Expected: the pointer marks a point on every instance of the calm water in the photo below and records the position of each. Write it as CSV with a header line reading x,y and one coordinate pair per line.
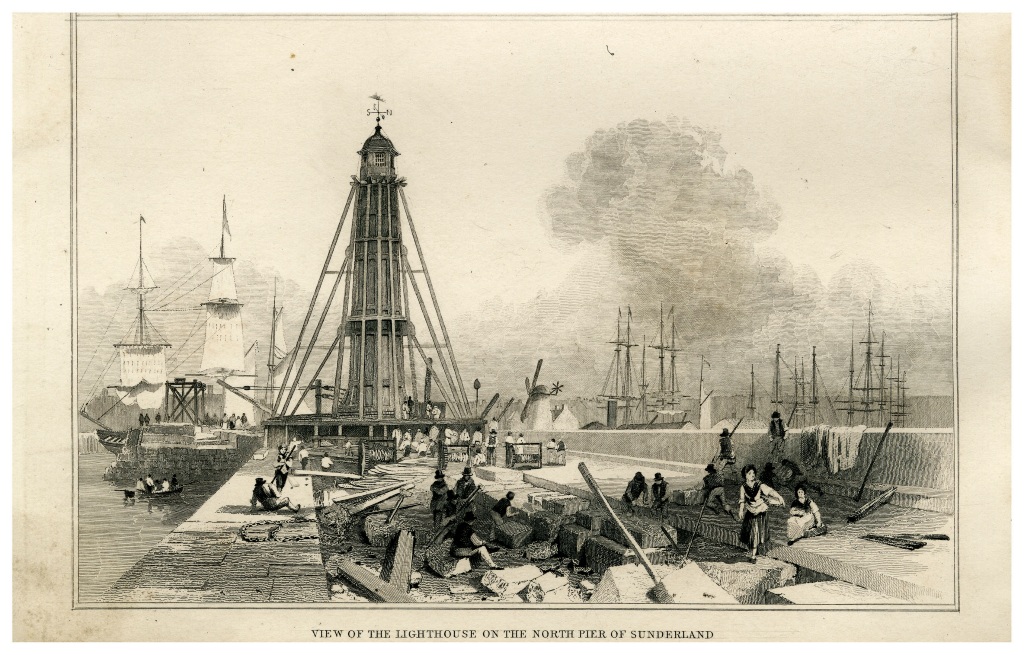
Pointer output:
x,y
113,536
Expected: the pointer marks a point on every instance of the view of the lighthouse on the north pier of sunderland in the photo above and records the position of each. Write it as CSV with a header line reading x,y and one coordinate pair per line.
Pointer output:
x,y
685,417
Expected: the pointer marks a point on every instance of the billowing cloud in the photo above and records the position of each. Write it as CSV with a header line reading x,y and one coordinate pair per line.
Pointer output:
x,y
665,217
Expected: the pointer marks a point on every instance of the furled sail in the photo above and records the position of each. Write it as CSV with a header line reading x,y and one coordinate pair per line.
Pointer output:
x,y
143,371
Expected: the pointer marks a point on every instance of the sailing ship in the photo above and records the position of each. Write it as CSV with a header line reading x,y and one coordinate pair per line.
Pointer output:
x,y
142,363
225,358
874,397
667,401
278,360
618,392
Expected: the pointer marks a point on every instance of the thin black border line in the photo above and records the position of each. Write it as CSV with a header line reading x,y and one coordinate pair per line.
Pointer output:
x,y
955,191
784,18
954,183
73,172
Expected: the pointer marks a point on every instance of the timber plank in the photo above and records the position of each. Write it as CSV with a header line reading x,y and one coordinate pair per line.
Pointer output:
x,y
376,589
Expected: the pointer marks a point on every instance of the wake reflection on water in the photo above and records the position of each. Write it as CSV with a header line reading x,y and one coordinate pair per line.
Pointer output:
x,y
113,532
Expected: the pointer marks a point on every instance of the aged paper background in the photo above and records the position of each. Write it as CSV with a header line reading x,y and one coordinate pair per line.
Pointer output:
x,y
44,265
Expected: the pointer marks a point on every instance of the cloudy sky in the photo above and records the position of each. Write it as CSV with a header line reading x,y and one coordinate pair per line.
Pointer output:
x,y
767,178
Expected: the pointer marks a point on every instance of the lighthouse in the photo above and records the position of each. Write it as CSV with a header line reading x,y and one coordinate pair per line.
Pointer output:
x,y
376,327
394,364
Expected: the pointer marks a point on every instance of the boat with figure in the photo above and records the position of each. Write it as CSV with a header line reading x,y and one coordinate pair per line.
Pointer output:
x,y
162,493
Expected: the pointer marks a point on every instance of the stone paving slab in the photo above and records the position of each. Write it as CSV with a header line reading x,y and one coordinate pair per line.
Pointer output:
x,y
924,575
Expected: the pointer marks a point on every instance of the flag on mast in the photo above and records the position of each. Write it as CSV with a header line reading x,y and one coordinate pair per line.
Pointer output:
x,y
224,225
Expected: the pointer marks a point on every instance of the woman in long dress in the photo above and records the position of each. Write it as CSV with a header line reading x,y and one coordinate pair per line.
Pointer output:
x,y
754,500
803,516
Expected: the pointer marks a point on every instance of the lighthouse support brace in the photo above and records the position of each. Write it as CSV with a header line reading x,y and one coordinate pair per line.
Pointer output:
x,y
430,287
433,335
316,291
316,331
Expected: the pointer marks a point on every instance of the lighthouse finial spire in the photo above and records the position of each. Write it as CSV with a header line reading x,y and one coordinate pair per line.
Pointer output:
x,y
381,113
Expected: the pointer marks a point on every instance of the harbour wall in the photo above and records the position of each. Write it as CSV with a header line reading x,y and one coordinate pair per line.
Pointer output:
x,y
188,462
914,457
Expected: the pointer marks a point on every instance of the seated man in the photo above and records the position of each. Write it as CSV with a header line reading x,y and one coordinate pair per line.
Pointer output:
x,y
326,463
468,544
804,517
267,496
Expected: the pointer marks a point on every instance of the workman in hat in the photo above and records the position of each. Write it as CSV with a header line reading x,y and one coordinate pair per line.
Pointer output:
x,y
637,490
465,487
776,434
468,544
725,446
438,498
492,444
714,491
659,492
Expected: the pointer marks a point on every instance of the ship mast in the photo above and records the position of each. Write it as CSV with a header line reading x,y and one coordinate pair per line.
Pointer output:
x,y
814,385
224,223
661,350
271,364
881,381
627,374
778,357
750,401
673,387
866,399
142,310
643,382
849,406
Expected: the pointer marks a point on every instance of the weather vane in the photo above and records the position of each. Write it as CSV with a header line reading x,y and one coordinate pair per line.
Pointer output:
x,y
381,113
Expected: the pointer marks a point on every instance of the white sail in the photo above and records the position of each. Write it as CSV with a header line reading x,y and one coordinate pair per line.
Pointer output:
x,y
223,287
143,371
280,342
223,352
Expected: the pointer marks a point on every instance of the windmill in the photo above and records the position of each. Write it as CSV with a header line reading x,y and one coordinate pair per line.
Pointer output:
x,y
538,394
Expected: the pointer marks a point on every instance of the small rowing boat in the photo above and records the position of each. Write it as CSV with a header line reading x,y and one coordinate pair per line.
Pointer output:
x,y
134,493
